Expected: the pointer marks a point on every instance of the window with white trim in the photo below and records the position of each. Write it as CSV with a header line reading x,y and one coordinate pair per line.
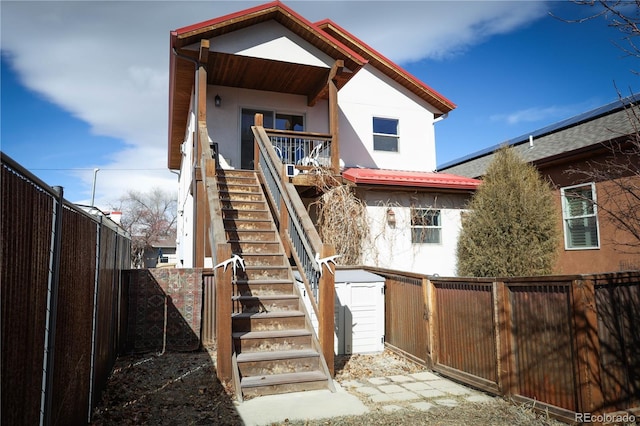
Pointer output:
x,y
426,226
385,134
579,214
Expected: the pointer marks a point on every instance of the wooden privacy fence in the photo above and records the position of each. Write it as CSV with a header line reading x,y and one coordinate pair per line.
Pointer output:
x,y
566,344
61,302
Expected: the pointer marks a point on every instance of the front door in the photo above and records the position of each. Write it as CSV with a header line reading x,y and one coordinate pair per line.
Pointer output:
x,y
282,122
246,135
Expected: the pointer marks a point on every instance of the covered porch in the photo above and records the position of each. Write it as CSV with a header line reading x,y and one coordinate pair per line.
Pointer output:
x,y
275,72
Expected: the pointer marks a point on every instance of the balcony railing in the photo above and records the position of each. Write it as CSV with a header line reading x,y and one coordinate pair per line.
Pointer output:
x,y
302,149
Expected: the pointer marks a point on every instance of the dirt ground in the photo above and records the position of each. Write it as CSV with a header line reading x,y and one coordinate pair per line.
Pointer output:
x,y
182,389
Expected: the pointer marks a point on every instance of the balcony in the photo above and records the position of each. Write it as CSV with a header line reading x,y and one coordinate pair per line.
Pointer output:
x,y
303,151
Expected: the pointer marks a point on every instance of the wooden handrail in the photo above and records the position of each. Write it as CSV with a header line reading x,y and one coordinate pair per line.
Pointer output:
x,y
300,135
220,250
302,238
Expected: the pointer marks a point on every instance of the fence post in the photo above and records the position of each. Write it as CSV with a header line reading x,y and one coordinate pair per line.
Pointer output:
x,y
433,323
50,338
504,354
327,303
428,312
223,315
587,366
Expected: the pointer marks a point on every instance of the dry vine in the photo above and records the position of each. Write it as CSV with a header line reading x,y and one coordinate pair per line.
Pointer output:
x,y
342,219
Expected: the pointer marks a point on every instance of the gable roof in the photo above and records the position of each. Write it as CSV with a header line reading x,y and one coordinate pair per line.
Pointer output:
x,y
388,67
262,74
576,134
410,179
249,72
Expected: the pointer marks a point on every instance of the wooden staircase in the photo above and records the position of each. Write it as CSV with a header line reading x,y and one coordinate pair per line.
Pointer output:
x,y
276,348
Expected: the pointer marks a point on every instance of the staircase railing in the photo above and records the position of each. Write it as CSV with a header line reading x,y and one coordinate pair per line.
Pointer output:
x,y
301,239
220,251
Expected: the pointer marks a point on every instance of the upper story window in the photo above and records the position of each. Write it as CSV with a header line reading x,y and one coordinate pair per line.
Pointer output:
x,y
385,134
426,226
289,122
579,214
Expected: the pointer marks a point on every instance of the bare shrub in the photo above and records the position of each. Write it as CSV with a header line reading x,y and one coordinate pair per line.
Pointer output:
x,y
342,219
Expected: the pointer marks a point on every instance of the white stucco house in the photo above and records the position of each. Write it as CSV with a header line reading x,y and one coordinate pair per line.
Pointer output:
x,y
375,122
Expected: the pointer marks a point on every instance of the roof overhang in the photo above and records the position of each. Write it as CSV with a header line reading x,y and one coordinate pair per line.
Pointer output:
x,y
398,178
250,72
388,67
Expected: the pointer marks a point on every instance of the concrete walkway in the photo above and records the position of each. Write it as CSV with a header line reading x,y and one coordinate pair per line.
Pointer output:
x,y
418,391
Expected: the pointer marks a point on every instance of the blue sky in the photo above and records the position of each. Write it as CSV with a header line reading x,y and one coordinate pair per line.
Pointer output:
x,y
84,83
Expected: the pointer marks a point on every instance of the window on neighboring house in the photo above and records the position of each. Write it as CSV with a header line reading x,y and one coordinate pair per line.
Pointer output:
x,y
385,134
579,214
426,226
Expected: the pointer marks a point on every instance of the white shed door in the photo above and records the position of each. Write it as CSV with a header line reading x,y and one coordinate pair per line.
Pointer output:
x,y
360,317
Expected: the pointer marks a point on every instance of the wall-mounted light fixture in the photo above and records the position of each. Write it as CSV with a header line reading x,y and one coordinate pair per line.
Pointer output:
x,y
218,101
391,218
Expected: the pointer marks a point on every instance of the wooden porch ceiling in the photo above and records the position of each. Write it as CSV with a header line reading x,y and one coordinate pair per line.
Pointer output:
x,y
244,72
250,72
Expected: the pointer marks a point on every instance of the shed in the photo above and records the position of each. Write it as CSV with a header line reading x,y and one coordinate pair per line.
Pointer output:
x,y
359,311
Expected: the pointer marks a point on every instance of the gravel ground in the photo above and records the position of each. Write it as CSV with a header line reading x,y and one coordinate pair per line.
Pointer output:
x,y
182,389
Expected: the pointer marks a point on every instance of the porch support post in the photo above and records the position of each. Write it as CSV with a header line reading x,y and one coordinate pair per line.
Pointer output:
x,y
258,121
203,59
333,115
326,304
201,222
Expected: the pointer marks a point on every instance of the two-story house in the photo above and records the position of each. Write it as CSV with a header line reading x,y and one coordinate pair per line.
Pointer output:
x,y
265,106
334,102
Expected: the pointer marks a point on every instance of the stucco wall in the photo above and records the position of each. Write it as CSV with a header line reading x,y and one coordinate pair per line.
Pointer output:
x,y
391,247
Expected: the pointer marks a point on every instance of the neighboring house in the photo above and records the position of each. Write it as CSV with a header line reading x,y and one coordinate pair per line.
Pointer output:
x,y
373,125
568,154
160,253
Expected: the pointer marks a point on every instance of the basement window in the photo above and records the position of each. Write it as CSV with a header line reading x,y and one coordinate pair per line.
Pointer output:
x,y
426,226
579,214
385,134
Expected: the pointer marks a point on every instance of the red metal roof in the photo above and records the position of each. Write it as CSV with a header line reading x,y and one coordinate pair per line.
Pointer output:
x,y
407,178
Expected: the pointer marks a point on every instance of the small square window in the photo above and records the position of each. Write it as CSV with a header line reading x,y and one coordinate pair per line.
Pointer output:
x,y
426,226
385,134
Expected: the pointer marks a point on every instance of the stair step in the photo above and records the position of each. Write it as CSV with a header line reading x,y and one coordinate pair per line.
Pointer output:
x,y
265,259
265,272
275,340
282,379
239,187
267,315
255,247
241,235
263,287
249,224
246,214
268,303
244,204
236,173
273,334
276,355
268,321
241,196
266,298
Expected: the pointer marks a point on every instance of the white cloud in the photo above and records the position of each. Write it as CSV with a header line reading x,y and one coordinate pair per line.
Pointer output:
x,y
529,115
107,62
544,114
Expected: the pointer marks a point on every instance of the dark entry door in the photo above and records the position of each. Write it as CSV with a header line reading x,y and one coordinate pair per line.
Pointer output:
x,y
246,135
